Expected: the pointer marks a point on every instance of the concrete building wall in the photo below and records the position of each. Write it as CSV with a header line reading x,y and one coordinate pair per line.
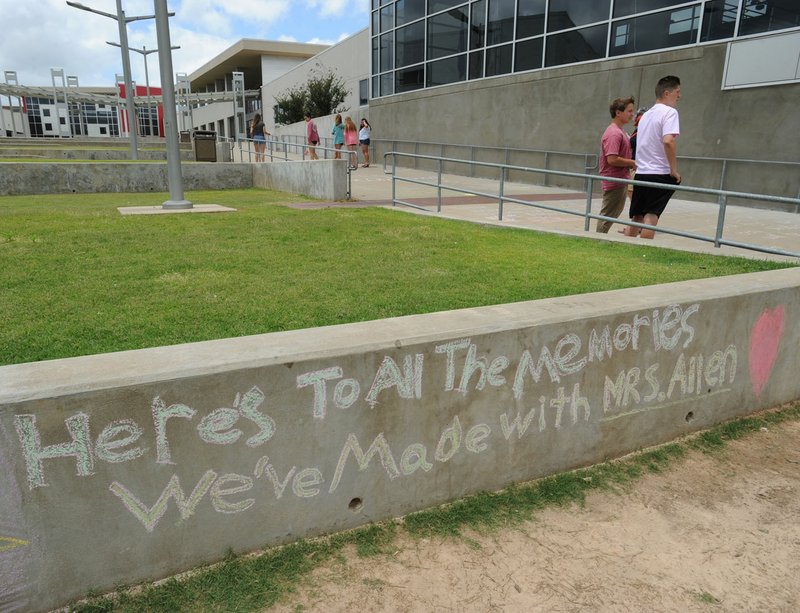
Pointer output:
x,y
136,465
349,59
273,67
566,109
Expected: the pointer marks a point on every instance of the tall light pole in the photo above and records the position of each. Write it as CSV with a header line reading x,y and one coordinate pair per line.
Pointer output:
x,y
122,22
144,52
11,79
174,176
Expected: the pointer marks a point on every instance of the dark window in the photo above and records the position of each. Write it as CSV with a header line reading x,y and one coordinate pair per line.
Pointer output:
x,y
528,55
565,14
476,65
376,22
410,44
719,19
446,71
409,10
376,55
768,16
48,126
46,112
409,79
477,28
387,84
576,46
447,33
103,130
363,92
62,121
438,5
622,8
498,60
387,18
655,31
387,61
530,18
500,28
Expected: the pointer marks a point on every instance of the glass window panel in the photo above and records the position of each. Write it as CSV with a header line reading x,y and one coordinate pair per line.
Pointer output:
x,y
476,65
451,70
530,18
477,30
529,55
376,22
363,92
387,57
410,44
387,18
376,55
407,11
655,31
376,3
500,28
376,87
571,13
498,60
719,19
409,79
447,33
387,84
576,46
769,16
440,5
623,8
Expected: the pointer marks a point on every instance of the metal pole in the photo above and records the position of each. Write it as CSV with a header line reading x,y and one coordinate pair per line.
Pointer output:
x,y
11,75
723,203
589,187
176,201
502,188
439,189
722,177
126,71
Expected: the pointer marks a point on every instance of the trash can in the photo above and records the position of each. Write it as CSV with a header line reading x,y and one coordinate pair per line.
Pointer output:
x,y
205,146
186,136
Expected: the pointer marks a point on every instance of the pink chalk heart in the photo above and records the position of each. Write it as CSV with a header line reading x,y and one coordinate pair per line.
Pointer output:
x,y
764,341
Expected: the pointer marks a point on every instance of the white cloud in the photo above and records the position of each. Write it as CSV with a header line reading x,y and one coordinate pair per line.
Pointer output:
x,y
338,8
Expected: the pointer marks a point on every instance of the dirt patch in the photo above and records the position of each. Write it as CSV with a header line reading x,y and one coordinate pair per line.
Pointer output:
x,y
714,532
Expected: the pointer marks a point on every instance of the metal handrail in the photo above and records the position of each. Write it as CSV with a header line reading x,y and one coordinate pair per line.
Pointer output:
x,y
722,196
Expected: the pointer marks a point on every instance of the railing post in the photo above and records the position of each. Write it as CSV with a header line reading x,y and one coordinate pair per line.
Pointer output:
x,y
501,191
546,167
439,188
472,160
394,176
589,187
722,178
723,204
416,152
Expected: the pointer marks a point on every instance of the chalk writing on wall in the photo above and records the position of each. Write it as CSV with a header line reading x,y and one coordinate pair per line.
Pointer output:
x,y
548,387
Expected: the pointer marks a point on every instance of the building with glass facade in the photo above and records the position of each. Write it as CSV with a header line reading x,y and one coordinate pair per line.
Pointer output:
x,y
426,43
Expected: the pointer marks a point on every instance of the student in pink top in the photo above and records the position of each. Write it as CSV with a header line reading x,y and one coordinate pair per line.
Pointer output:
x,y
351,140
313,137
616,160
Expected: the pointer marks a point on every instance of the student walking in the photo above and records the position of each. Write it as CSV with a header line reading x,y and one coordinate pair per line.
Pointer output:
x,y
363,138
351,140
616,160
338,136
656,157
258,132
312,136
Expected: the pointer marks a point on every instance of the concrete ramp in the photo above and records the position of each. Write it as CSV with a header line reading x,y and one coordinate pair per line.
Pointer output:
x,y
136,465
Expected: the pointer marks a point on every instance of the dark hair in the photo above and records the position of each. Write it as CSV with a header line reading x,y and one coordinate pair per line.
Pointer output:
x,y
256,119
666,84
364,119
619,105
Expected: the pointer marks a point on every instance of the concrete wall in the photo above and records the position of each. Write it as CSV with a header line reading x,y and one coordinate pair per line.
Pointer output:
x,y
323,179
566,109
130,466
18,178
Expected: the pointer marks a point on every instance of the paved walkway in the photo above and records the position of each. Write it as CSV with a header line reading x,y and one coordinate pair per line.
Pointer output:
x,y
776,229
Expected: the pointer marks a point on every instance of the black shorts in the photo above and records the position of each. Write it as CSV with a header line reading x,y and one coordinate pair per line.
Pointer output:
x,y
364,141
651,200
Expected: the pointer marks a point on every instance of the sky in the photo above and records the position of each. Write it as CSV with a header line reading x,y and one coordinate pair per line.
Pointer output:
x,y
38,35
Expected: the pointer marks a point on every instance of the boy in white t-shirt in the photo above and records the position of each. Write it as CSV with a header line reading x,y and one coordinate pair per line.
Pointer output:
x,y
656,157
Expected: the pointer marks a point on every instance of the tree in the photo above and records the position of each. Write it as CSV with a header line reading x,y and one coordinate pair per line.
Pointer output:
x,y
290,105
322,95
326,91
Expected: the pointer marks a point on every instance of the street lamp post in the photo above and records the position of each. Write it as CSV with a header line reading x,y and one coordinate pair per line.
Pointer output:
x,y
144,52
174,176
122,22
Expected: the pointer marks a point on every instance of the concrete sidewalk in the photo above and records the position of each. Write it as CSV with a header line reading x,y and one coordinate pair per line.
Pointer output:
x,y
776,229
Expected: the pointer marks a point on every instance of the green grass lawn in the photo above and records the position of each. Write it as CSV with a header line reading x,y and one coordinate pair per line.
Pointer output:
x,y
78,278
